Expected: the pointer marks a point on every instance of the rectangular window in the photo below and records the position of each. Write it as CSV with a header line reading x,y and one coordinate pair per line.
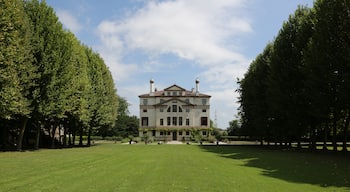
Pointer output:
x,y
180,109
168,119
174,93
204,101
161,133
180,121
174,108
145,101
187,122
144,121
161,122
204,121
174,121
145,110
161,110
187,133
187,110
180,132
154,133
204,133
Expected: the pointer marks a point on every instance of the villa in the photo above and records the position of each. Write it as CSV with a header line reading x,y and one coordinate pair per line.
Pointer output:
x,y
174,114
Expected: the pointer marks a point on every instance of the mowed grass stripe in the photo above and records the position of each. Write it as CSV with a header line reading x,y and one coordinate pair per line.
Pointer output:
x,y
113,167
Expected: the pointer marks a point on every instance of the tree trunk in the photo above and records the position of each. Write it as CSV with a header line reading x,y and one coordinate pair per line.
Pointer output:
x,y
312,138
21,134
325,137
334,134
73,135
37,140
89,137
3,137
81,137
345,130
64,137
53,136
69,138
59,135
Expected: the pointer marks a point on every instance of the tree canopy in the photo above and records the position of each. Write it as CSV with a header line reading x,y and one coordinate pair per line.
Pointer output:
x,y
298,88
49,79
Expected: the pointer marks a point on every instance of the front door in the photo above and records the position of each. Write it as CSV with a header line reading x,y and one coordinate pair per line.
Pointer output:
x,y
174,135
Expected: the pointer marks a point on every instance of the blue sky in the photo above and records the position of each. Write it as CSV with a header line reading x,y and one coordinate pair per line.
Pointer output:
x,y
177,41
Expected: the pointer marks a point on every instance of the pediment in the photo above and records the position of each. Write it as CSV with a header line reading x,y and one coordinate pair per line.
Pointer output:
x,y
174,101
174,88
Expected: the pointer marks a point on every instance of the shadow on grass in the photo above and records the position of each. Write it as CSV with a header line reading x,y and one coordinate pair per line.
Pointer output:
x,y
317,168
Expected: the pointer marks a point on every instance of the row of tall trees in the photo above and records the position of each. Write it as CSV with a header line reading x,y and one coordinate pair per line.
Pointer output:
x,y
299,86
50,83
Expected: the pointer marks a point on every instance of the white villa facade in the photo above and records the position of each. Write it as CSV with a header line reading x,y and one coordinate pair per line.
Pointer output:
x,y
173,114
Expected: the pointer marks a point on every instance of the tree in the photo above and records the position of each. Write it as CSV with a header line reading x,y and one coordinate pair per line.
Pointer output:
x,y
286,78
79,84
49,79
125,124
234,128
104,99
307,89
52,53
327,63
17,73
253,97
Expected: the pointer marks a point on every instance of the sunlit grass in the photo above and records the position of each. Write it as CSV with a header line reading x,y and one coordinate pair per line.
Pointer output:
x,y
115,167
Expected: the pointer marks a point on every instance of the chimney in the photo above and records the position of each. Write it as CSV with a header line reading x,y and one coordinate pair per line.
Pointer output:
x,y
197,87
151,87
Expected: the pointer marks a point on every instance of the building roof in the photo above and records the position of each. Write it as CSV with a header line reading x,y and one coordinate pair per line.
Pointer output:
x,y
185,93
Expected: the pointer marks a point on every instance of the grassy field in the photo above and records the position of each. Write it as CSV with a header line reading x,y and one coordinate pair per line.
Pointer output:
x,y
115,167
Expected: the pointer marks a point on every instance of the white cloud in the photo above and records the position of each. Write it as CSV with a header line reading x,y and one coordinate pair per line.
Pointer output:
x,y
224,104
203,32
113,58
192,30
225,72
69,21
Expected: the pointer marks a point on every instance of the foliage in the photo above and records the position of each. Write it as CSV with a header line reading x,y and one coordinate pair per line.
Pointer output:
x,y
50,80
16,69
125,124
18,74
234,128
299,86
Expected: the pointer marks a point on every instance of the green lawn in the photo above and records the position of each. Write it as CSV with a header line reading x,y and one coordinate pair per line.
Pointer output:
x,y
115,167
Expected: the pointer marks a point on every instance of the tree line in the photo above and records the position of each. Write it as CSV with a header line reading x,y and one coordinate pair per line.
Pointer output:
x,y
52,87
298,88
